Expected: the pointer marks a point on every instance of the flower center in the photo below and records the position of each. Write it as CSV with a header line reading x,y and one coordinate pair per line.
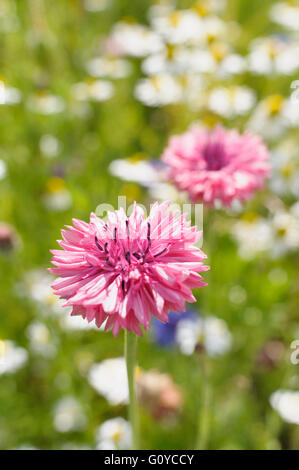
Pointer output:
x,y
124,256
281,232
274,104
117,435
214,155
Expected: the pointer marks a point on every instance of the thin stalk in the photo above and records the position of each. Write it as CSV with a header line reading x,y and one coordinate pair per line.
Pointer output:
x,y
130,355
204,415
205,405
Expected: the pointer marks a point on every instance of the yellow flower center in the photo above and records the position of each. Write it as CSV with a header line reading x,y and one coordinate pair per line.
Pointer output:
x,y
55,184
210,120
175,18
131,191
42,94
129,20
90,81
274,104
232,94
219,50
281,231
170,50
138,157
288,169
250,217
156,82
272,49
3,348
201,7
211,37
116,436
183,80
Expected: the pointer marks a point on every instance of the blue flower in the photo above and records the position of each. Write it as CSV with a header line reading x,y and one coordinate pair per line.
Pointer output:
x,y
164,333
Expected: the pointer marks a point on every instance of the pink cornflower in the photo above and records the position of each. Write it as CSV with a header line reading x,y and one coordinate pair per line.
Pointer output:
x,y
128,269
217,165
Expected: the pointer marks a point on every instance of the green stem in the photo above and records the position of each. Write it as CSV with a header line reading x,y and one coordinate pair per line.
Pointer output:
x,y
130,355
205,405
204,414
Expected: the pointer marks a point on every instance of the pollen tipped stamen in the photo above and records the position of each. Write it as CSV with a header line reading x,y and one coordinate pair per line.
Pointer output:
x,y
128,257
97,243
161,252
137,256
109,262
149,242
106,248
114,234
128,228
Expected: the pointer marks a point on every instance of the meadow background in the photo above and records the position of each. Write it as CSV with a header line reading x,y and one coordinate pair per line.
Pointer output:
x,y
56,150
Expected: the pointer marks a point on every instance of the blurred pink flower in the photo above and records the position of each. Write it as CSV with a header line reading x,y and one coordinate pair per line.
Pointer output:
x,y
127,269
217,165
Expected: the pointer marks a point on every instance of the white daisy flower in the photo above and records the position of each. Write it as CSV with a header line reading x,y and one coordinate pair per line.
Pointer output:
x,y
286,403
109,379
210,332
37,285
77,322
40,339
179,26
276,235
159,90
231,101
173,59
3,169
95,5
58,201
133,40
49,145
208,7
273,55
45,103
253,236
284,179
12,357
68,415
285,227
114,434
214,29
273,116
167,192
286,13
109,67
193,90
232,64
144,172
94,90
199,61
9,95
218,60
